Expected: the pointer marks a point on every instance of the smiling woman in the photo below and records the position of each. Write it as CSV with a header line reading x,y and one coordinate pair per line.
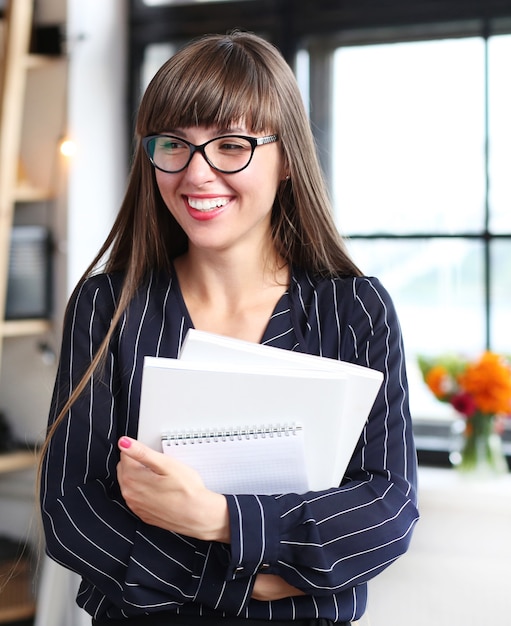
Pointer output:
x,y
226,227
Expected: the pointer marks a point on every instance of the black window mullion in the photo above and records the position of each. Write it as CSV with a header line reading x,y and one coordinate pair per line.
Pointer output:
x,y
487,234
321,98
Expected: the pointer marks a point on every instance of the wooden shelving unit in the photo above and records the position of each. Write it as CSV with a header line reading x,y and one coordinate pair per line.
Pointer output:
x,y
20,71
17,62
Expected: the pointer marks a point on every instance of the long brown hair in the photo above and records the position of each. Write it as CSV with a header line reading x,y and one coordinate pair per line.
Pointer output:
x,y
215,81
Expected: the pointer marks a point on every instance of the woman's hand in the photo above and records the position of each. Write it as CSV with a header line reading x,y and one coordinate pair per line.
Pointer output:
x,y
269,587
166,493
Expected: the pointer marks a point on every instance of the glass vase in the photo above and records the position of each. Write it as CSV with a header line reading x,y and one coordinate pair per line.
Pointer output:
x,y
481,452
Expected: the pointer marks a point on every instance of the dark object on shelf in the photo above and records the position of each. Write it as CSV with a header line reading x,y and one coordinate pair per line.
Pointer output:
x,y
47,39
6,444
9,549
29,281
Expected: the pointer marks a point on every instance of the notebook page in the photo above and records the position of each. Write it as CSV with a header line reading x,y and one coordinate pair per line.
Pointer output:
x,y
242,461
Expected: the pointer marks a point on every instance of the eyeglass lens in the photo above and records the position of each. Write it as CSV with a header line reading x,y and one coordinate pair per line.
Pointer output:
x,y
228,154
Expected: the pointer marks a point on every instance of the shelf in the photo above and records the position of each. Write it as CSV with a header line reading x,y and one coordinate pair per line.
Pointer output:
x,y
23,328
16,461
17,613
29,122
25,192
35,61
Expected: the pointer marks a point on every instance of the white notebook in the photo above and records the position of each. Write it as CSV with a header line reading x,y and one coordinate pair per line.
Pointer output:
x,y
363,383
221,385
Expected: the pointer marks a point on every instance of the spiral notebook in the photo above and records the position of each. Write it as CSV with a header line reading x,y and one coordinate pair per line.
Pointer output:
x,y
268,459
219,386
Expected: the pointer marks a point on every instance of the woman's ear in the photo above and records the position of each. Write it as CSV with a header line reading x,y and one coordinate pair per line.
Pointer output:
x,y
286,175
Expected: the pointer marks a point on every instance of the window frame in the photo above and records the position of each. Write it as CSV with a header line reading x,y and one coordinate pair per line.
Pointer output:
x,y
433,436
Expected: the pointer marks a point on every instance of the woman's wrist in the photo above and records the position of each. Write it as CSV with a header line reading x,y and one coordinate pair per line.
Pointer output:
x,y
213,518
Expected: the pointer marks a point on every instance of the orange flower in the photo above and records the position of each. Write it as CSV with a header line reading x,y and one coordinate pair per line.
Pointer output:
x,y
437,379
488,381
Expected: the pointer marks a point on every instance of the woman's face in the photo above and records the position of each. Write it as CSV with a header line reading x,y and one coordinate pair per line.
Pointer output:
x,y
220,211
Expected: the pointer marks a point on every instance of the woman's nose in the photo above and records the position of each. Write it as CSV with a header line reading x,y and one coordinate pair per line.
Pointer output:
x,y
199,171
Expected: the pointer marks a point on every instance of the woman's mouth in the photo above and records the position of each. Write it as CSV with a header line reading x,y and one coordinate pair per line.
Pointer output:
x,y
206,204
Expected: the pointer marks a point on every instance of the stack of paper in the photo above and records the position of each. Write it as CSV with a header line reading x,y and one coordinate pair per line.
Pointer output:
x,y
196,407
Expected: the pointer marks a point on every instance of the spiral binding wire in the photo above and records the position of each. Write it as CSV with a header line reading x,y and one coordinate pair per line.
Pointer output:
x,y
230,434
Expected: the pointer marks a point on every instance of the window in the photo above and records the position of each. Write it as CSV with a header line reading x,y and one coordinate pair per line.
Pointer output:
x,y
155,56
420,153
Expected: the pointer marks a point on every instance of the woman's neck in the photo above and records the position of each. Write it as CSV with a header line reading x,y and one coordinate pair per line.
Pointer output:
x,y
233,297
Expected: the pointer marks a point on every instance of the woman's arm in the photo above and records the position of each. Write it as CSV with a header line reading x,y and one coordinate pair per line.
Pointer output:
x,y
128,566
167,493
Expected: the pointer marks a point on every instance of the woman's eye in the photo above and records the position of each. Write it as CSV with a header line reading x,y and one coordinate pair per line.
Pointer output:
x,y
173,145
232,146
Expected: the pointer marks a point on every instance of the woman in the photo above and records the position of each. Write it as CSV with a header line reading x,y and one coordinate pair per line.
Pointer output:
x,y
226,227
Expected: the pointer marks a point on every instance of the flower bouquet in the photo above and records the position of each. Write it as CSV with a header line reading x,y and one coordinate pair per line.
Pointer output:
x,y
480,391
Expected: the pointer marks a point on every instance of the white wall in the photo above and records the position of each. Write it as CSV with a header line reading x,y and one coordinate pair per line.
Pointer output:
x,y
97,84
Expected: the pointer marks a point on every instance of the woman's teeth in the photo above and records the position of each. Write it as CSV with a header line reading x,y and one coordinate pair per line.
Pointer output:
x,y
207,204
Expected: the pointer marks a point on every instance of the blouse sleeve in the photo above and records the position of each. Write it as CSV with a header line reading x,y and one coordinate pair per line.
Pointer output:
x,y
325,542
88,527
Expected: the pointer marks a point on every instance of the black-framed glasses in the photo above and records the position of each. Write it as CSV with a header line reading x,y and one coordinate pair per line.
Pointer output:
x,y
228,154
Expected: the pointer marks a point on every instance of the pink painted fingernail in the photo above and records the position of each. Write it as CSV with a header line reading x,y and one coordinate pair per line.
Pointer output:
x,y
125,442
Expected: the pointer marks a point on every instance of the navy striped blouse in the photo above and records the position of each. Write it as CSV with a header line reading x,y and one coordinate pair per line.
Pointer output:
x,y
328,544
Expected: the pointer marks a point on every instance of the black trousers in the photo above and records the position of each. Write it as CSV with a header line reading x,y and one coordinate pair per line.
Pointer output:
x,y
178,620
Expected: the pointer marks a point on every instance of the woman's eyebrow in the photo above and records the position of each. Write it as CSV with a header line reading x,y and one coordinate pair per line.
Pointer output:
x,y
219,132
